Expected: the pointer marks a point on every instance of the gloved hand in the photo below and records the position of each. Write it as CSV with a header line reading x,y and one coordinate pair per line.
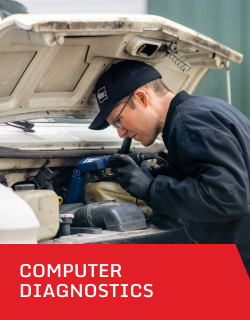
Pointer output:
x,y
146,166
155,169
132,178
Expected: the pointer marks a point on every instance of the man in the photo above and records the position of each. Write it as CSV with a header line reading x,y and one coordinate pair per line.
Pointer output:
x,y
208,143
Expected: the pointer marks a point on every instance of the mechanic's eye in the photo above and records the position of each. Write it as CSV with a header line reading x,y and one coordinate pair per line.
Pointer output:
x,y
118,120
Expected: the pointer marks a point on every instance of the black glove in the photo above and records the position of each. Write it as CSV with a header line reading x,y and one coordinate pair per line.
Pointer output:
x,y
132,178
155,169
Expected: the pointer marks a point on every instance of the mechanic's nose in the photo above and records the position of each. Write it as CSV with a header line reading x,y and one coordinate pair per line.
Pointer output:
x,y
122,133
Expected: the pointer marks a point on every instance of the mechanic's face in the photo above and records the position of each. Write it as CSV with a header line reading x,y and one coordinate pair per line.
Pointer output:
x,y
140,123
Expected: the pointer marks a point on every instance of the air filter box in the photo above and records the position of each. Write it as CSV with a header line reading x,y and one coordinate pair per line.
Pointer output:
x,y
110,215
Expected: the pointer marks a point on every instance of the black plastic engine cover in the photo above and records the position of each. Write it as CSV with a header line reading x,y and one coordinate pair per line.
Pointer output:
x,y
110,215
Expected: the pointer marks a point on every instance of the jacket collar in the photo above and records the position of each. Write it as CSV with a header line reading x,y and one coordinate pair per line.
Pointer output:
x,y
175,102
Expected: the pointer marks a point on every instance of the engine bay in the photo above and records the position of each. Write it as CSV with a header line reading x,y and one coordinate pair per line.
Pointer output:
x,y
74,198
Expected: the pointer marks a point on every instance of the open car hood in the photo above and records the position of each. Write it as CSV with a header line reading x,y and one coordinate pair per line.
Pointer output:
x,y
49,64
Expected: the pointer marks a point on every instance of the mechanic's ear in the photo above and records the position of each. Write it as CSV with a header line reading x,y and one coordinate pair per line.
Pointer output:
x,y
141,97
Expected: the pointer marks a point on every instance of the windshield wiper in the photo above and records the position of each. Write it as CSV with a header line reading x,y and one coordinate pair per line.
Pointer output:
x,y
26,126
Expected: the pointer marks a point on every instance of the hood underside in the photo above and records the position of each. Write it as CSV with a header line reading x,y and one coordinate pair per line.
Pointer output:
x,y
49,64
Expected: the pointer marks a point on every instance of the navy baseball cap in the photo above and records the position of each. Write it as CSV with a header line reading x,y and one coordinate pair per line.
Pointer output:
x,y
120,80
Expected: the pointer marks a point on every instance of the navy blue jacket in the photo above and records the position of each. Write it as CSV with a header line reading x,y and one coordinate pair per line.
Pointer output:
x,y
208,144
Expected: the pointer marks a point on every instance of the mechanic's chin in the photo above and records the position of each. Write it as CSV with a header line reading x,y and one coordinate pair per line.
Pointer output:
x,y
144,140
146,143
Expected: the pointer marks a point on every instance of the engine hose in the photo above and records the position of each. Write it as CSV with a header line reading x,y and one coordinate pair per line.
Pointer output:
x,y
125,145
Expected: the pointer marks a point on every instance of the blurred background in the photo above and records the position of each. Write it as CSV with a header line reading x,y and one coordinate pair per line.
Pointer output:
x,y
226,21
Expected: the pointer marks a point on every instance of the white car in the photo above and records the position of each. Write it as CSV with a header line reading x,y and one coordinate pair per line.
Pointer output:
x,y
49,65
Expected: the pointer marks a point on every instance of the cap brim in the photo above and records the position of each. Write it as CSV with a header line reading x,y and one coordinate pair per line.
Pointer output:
x,y
100,122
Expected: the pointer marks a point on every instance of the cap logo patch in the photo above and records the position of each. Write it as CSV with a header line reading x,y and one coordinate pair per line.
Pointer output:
x,y
102,94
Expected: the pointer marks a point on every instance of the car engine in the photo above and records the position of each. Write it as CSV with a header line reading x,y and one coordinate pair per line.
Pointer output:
x,y
72,193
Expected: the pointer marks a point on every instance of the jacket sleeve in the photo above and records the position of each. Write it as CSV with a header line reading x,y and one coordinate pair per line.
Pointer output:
x,y
216,187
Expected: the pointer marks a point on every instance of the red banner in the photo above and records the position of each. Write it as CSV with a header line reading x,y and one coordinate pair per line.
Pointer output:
x,y
123,281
